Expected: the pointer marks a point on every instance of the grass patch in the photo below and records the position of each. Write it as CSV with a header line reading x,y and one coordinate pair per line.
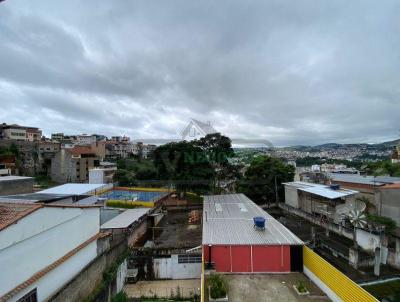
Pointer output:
x,y
388,290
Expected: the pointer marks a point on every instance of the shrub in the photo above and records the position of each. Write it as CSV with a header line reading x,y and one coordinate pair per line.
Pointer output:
x,y
121,204
390,224
120,297
301,287
217,286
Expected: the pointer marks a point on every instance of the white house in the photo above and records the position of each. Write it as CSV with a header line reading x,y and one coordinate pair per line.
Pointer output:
x,y
43,247
196,129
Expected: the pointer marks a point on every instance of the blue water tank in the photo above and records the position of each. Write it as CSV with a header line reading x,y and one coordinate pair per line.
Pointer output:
x,y
259,222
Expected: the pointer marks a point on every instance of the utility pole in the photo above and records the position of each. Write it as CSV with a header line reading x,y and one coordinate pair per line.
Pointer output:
x,y
276,192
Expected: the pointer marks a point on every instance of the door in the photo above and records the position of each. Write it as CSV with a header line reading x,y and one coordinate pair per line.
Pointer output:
x,y
296,258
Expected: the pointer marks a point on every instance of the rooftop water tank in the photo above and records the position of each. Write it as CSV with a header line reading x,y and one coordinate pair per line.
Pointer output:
x,y
259,222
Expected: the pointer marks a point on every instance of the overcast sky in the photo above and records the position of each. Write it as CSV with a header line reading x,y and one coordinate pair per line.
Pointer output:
x,y
292,72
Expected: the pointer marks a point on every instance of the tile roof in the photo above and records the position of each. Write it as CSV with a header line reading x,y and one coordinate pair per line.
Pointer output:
x,y
78,150
391,186
228,220
10,213
50,267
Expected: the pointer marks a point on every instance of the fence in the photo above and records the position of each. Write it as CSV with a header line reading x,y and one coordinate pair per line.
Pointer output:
x,y
336,285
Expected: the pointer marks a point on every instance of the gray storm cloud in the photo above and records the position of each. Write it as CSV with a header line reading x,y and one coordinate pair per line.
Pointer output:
x,y
291,72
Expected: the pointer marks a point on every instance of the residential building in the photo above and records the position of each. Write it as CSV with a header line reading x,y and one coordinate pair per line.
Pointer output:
x,y
85,140
388,201
332,202
196,129
396,155
43,247
16,185
57,136
368,187
73,164
20,133
102,174
233,244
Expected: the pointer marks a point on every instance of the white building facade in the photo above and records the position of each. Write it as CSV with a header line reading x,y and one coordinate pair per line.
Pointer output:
x,y
43,247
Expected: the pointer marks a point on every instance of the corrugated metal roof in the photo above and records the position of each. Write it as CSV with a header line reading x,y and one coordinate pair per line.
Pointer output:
x,y
125,219
367,180
233,225
320,190
74,189
328,192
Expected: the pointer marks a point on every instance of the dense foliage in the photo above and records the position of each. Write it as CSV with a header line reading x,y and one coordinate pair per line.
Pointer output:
x,y
185,166
263,180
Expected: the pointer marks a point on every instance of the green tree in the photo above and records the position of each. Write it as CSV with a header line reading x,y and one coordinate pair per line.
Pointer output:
x,y
184,166
218,149
263,179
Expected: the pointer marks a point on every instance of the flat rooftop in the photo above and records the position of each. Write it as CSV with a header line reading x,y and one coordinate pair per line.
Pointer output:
x,y
75,189
228,219
321,190
34,197
14,178
367,180
125,219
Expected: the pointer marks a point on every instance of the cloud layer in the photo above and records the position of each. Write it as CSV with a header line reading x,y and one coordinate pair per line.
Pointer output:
x,y
292,72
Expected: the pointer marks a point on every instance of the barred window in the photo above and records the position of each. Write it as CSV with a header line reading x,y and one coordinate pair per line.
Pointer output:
x,y
186,258
29,297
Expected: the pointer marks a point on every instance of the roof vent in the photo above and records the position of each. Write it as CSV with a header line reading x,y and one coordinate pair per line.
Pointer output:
x,y
259,223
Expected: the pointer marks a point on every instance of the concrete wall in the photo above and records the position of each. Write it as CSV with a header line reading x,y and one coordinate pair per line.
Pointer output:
x,y
42,238
169,268
291,196
390,199
17,186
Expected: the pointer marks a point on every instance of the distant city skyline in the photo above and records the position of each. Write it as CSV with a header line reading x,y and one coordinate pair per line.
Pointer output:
x,y
304,73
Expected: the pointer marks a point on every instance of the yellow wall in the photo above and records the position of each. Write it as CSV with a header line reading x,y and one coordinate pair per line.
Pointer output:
x,y
341,285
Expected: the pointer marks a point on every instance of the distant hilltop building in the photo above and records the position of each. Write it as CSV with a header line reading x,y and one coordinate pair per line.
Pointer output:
x,y
196,129
396,155
20,133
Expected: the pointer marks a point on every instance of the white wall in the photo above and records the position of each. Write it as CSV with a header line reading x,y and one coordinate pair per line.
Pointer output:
x,y
121,275
291,196
49,285
40,239
169,268
367,241
96,176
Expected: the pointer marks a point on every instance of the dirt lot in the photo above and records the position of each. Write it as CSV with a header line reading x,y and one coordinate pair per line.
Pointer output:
x,y
174,231
270,288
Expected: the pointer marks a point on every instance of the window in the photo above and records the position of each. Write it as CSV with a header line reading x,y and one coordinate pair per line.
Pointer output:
x,y
29,297
186,258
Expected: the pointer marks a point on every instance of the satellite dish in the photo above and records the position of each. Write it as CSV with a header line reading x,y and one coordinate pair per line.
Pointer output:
x,y
357,218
